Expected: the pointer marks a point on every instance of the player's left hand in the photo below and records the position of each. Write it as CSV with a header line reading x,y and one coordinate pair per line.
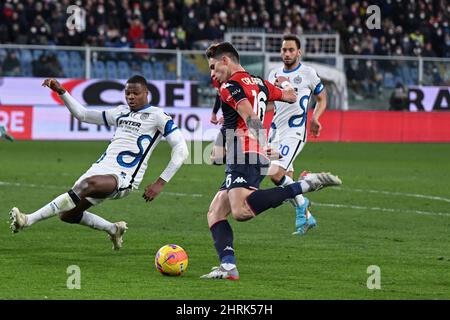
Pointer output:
x,y
153,190
272,154
315,127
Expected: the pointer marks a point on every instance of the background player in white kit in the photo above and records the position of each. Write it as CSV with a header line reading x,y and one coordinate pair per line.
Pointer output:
x,y
139,128
288,130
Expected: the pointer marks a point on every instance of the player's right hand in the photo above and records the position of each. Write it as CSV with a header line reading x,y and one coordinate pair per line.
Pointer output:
x,y
54,85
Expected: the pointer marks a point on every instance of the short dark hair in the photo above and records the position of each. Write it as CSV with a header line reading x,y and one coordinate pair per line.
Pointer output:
x,y
292,37
138,79
217,50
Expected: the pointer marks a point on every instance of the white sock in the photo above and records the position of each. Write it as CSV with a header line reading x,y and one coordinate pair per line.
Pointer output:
x,y
98,223
298,200
228,266
62,203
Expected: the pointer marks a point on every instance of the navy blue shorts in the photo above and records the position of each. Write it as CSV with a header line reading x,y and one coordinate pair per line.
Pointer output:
x,y
244,175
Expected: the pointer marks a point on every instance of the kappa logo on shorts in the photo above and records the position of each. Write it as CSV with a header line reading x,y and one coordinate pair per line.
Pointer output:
x,y
239,180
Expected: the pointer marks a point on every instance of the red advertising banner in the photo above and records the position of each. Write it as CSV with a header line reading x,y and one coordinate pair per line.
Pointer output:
x,y
18,120
381,126
47,123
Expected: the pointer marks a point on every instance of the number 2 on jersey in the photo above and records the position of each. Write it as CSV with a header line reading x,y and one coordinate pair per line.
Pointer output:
x,y
259,104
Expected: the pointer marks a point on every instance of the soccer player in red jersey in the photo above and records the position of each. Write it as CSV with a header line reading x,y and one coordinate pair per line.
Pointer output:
x,y
244,102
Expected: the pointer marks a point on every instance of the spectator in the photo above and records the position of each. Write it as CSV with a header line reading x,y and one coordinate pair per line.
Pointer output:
x,y
418,27
11,65
399,98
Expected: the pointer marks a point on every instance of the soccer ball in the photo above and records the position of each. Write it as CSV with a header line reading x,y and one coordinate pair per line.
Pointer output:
x,y
171,260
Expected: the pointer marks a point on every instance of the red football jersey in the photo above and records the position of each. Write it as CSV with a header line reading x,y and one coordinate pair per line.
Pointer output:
x,y
258,92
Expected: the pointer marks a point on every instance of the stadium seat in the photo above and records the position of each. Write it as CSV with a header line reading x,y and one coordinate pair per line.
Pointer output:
x,y
111,70
160,71
37,54
171,76
63,57
98,70
123,70
75,56
25,56
147,71
388,80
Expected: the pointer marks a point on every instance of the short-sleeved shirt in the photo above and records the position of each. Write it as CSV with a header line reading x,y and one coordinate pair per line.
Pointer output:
x,y
290,118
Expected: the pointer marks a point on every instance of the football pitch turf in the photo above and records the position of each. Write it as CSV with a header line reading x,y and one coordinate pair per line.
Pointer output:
x,y
392,211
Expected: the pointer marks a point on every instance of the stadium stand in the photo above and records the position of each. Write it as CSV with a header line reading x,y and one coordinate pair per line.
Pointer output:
x,y
416,29
419,27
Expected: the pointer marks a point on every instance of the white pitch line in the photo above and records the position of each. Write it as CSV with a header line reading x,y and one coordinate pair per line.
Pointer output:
x,y
414,195
31,185
428,213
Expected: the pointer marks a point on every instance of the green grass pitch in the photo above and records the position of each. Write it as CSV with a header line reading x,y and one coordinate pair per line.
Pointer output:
x,y
392,211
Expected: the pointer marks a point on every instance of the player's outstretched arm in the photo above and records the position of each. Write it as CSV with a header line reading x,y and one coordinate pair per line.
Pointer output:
x,y
75,108
179,155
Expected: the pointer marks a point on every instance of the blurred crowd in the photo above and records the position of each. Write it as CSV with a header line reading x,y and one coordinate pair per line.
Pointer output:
x,y
408,27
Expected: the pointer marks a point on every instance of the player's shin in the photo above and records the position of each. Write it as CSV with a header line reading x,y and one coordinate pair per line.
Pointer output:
x,y
96,222
222,235
62,203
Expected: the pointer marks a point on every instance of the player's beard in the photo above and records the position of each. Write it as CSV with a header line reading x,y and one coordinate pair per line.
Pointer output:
x,y
290,63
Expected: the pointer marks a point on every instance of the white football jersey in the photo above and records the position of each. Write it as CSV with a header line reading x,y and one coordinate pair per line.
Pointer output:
x,y
137,134
290,118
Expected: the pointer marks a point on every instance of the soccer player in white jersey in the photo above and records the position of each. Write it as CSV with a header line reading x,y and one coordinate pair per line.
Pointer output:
x,y
139,128
288,129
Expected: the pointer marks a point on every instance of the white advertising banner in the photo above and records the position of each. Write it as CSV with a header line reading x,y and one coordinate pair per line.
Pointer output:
x,y
50,123
429,98
29,91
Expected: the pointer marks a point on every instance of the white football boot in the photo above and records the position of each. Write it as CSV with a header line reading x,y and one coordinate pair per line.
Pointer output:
x,y
222,273
317,181
18,220
117,238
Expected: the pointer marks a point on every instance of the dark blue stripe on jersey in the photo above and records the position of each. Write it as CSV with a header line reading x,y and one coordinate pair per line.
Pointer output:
x,y
104,119
169,128
155,138
293,155
289,71
319,88
122,116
